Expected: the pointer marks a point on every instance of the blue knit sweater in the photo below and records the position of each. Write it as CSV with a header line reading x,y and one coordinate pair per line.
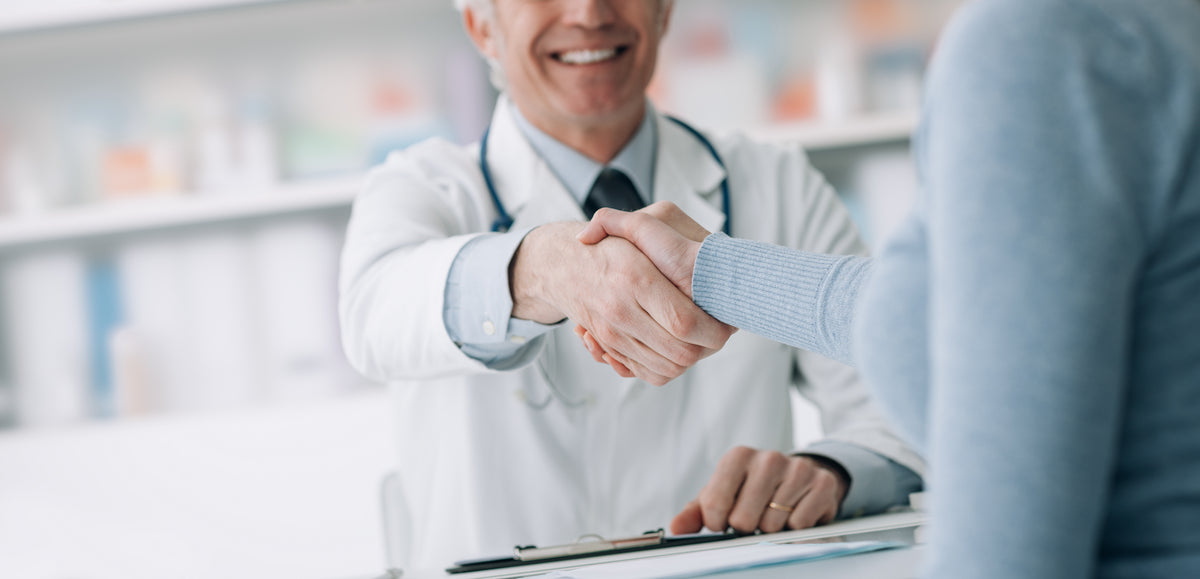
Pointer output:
x,y
1035,324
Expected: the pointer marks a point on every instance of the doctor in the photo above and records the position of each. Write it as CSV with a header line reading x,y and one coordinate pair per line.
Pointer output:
x,y
461,270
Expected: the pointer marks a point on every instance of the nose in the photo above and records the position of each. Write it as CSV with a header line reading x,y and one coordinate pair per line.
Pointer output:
x,y
589,13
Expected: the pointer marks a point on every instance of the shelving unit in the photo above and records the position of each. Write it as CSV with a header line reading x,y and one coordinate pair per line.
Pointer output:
x,y
147,214
866,131
57,13
48,14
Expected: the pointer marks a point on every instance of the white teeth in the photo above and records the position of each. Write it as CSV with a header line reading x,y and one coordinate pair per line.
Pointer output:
x,y
587,56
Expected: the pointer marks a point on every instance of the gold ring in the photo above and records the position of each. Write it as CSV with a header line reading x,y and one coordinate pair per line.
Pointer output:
x,y
779,507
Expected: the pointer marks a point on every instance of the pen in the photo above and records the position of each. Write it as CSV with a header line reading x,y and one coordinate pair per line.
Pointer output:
x,y
539,553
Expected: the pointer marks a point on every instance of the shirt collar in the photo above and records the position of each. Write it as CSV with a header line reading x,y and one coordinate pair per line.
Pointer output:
x,y
577,172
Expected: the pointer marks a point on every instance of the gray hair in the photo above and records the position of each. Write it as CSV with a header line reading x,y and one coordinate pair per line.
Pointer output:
x,y
485,9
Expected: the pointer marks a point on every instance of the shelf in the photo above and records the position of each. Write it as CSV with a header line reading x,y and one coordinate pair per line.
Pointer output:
x,y
146,214
57,13
49,14
862,132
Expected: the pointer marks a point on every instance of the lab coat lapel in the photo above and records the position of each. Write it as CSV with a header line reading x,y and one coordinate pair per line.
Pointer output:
x,y
688,175
531,193
533,196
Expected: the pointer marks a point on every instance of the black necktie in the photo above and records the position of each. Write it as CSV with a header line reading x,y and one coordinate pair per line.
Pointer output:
x,y
612,189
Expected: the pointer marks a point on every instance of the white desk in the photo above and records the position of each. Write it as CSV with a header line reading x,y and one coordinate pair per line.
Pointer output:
x,y
893,564
251,494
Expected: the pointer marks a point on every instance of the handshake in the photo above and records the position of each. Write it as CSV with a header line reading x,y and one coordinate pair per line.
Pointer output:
x,y
625,279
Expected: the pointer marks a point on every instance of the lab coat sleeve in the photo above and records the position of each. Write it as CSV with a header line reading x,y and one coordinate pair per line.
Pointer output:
x,y
414,215
848,413
876,482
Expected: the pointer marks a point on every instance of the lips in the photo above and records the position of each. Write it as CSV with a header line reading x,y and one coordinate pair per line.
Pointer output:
x,y
584,57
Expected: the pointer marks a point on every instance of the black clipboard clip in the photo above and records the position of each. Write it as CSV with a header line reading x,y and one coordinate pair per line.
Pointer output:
x,y
529,555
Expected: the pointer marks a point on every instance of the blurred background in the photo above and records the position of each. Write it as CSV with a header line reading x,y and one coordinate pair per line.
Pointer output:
x,y
175,177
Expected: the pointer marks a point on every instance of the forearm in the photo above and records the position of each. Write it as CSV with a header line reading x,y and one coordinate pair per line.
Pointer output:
x,y
802,299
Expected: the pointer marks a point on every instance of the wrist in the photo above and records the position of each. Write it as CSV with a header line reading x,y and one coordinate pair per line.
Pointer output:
x,y
834,467
691,252
530,276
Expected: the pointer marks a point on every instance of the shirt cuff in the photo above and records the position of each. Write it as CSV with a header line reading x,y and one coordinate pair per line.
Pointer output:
x,y
877,483
478,304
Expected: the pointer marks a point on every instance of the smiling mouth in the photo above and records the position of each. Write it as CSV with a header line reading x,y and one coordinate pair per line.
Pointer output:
x,y
582,57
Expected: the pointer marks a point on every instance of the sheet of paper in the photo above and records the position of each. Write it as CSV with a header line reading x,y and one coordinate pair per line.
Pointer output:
x,y
714,561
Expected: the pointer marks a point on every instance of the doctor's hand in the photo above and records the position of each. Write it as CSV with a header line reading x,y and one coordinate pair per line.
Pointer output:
x,y
764,490
620,297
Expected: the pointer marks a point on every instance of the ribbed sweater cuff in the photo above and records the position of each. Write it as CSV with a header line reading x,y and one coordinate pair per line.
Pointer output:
x,y
779,293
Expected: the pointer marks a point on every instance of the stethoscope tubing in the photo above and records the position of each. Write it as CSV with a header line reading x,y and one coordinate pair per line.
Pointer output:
x,y
504,221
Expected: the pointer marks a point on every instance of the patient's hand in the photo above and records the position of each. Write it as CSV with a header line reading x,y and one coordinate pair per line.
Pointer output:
x,y
669,238
662,231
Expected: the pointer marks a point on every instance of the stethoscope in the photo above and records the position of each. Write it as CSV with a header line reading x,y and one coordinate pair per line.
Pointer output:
x,y
504,222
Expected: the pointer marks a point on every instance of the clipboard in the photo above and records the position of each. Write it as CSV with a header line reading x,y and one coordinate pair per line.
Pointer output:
x,y
530,555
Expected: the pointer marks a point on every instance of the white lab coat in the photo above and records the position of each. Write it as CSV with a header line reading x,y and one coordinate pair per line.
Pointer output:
x,y
482,469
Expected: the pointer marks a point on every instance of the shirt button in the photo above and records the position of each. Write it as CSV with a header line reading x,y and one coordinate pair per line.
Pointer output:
x,y
517,339
489,328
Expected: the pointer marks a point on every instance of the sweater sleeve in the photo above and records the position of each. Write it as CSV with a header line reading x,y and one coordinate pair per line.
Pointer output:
x,y
802,299
1037,144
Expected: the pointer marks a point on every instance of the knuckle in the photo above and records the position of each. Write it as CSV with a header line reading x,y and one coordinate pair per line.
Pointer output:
x,y
682,324
605,334
690,355
741,453
772,460
799,468
743,521
657,380
800,519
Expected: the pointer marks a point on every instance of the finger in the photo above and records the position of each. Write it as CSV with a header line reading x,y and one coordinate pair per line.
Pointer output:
x,y
811,510
621,369
619,336
684,321
625,366
672,215
602,224
689,520
633,368
796,481
765,474
819,503
590,344
717,497
639,228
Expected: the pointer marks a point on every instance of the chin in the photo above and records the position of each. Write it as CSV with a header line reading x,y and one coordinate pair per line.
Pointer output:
x,y
593,106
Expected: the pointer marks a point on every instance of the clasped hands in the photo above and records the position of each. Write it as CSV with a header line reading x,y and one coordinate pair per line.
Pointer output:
x,y
625,279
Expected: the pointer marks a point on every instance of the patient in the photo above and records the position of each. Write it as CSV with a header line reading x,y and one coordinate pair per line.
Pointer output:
x,y
1035,323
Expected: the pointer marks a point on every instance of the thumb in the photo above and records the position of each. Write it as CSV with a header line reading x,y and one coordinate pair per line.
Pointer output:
x,y
689,520
604,223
